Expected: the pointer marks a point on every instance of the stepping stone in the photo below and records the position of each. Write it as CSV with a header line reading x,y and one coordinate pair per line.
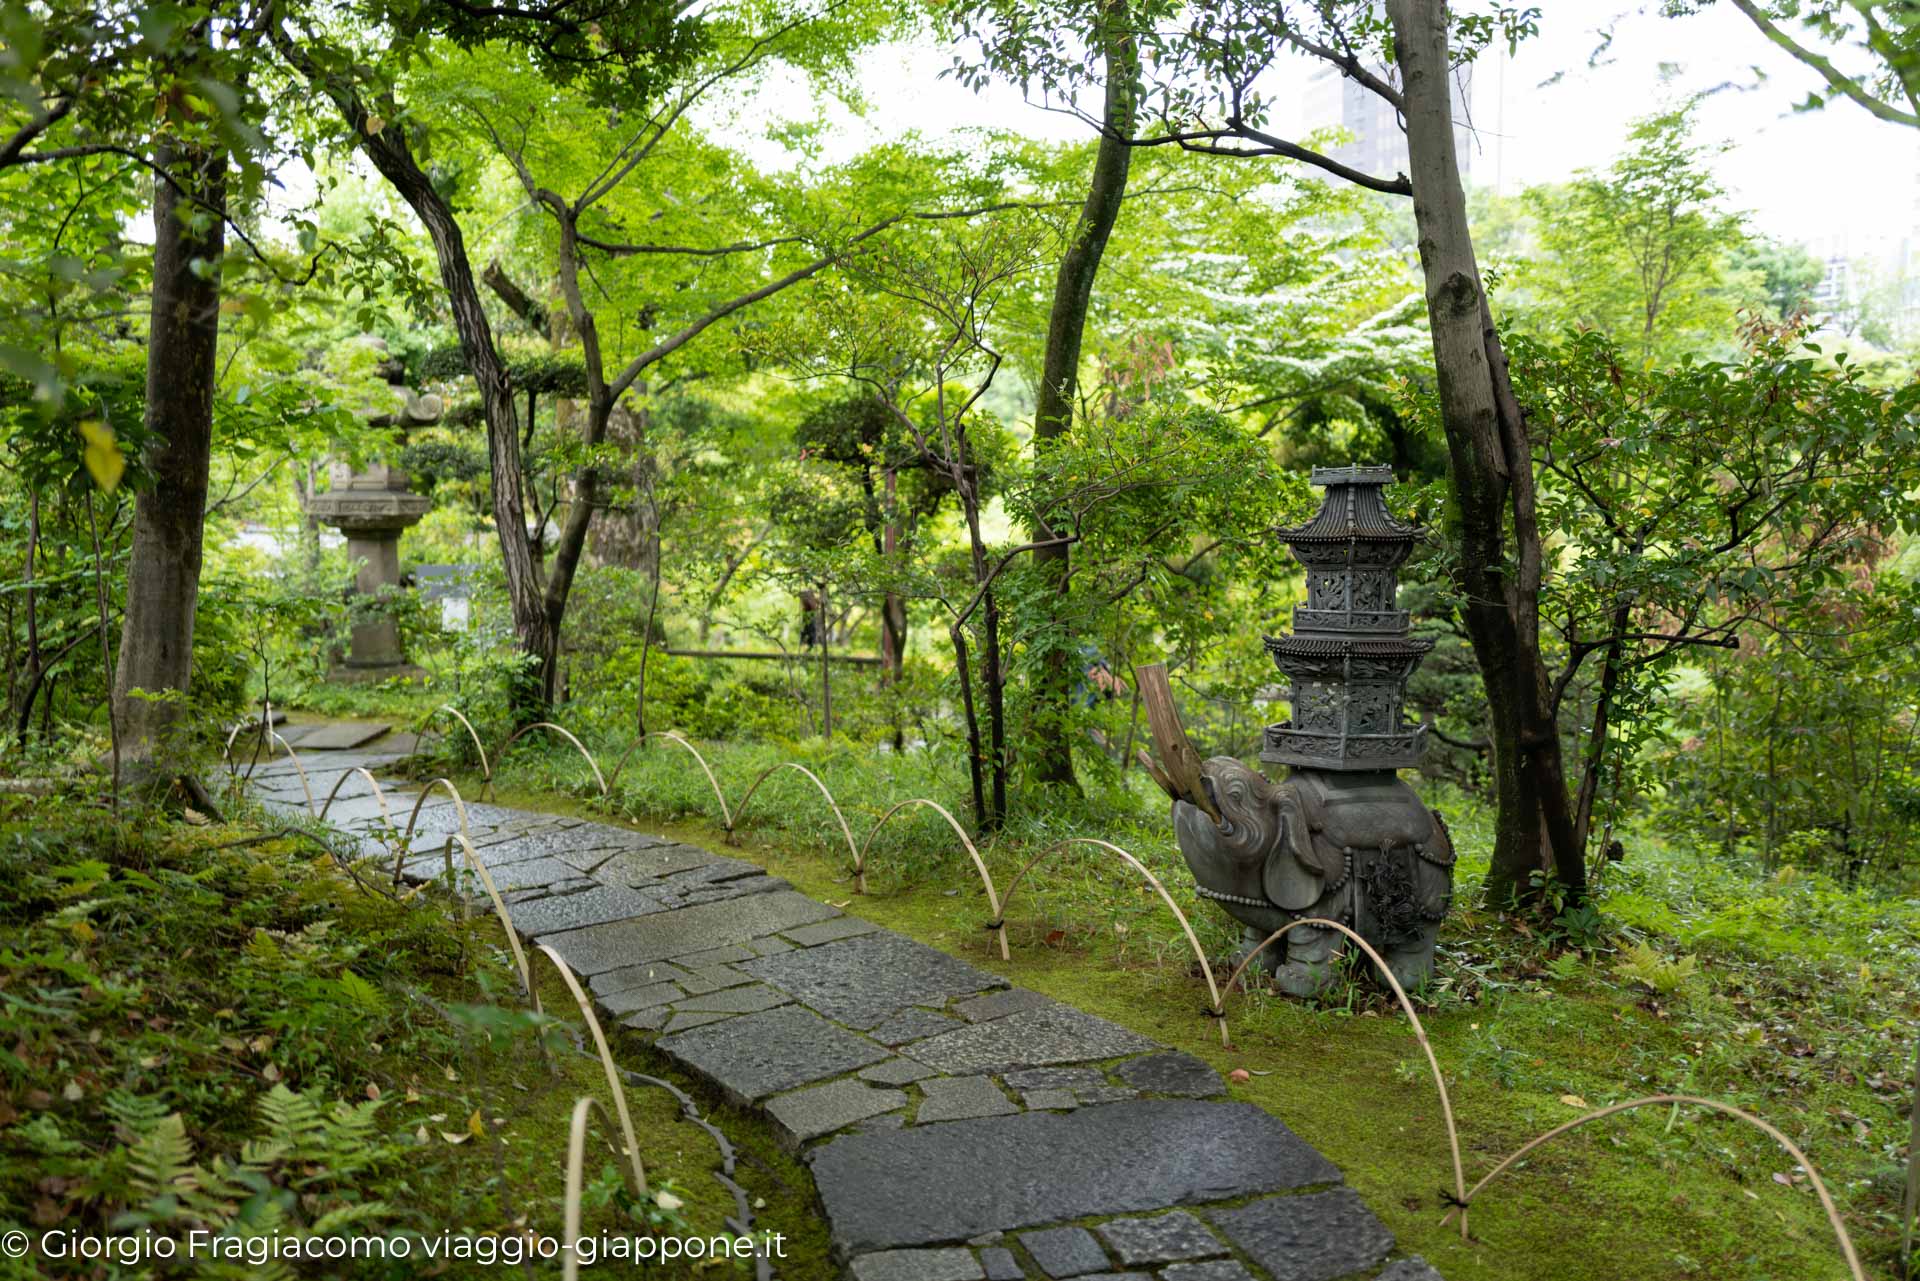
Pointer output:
x,y
1065,1252
632,976
912,1025
555,890
340,736
1000,1265
596,906
1049,1099
1032,1038
1308,1238
956,1098
1055,1078
441,815
952,1264
712,978
756,1055
686,1022
1172,1073
1088,1095
844,927
861,981
665,935
739,1000
1166,1238
1414,1269
508,876
636,999
651,1019
715,956
636,863
887,1190
1214,1270
999,1004
896,1072
822,1109
770,947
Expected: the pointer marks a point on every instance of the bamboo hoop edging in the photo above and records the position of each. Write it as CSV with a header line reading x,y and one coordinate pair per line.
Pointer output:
x,y
583,1107
405,844
293,756
565,733
372,782
1727,1109
986,878
1419,1034
767,773
1215,1011
486,768
606,1058
499,910
674,736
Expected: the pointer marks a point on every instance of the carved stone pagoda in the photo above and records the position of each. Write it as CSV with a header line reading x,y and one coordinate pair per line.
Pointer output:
x,y
1349,656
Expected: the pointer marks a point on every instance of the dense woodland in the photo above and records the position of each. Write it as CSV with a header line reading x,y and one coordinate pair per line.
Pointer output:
x,y
899,462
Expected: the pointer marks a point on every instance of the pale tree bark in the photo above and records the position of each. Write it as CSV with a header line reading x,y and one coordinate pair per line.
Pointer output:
x,y
155,666
1052,750
1491,475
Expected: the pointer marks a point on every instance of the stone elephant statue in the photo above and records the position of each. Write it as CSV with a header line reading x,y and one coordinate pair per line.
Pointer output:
x,y
1354,847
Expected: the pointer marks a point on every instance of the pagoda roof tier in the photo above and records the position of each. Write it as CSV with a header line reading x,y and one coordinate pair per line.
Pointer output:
x,y
1366,646
1354,509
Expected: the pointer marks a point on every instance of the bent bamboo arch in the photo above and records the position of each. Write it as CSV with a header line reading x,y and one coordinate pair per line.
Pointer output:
x,y
999,924
419,802
1652,1100
673,736
378,795
767,773
486,767
563,732
1200,954
1419,1033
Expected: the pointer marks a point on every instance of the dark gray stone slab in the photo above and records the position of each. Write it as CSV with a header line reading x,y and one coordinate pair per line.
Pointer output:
x,y
714,869
572,845
1172,1073
736,1000
1032,1038
896,1072
340,736
760,1054
685,1022
844,927
912,1025
1212,1270
440,815
509,876
956,1098
665,935
716,956
886,1190
1088,1095
822,1109
861,981
1052,1078
727,890
770,947
631,976
596,906
1308,1238
532,892
1000,1265
1414,1269
652,1019
634,999
636,863
952,1264
996,1005
1164,1238
712,978
1049,1098
1065,1252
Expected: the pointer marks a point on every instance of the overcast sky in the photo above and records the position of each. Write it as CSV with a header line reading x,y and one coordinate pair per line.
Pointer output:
x,y
1837,174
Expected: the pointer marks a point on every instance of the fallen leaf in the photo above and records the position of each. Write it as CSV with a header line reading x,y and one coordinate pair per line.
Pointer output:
x,y
1575,1101
667,1200
453,1138
73,1093
475,1126
1239,1076
373,1091
194,816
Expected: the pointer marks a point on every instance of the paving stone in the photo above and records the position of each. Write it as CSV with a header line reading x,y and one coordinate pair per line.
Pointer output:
x,y
733,890
635,999
712,978
822,1109
886,1190
1118,1276
1164,1238
1055,1078
896,1072
1049,1099
629,976
687,1022
713,870
555,890
760,1054
647,859
771,947
956,1098
1212,1270
1000,1265
440,815
951,1264
998,1004
568,844
596,906
1089,1095
666,935
862,981
339,736
716,956
987,1238
1065,1252
843,927
886,1121
736,1000
912,1025
1032,1038
1172,1073
1308,1238
1414,1269
510,876
652,1020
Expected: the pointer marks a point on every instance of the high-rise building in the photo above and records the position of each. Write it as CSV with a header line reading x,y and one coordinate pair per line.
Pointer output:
x,y
1377,144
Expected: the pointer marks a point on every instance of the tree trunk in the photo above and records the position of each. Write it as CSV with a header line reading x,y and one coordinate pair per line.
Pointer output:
x,y
1060,376
1491,477
163,577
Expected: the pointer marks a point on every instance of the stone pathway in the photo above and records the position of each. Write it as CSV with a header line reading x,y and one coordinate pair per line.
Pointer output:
x,y
957,1128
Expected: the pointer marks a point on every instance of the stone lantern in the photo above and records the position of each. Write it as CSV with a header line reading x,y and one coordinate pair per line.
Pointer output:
x,y
1342,838
373,507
